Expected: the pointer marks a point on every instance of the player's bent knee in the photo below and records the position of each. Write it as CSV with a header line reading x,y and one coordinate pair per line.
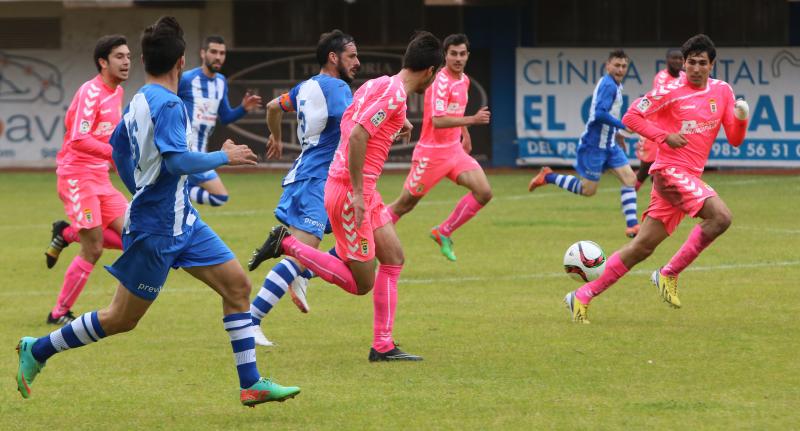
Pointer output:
x,y
483,196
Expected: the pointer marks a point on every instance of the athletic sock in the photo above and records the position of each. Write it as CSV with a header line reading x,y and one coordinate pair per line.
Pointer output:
x,y
393,215
628,198
70,235
615,269
217,200
466,208
74,280
275,285
327,266
198,195
240,330
80,332
384,301
694,245
567,182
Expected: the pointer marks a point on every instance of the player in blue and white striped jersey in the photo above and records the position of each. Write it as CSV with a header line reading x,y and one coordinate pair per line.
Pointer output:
x,y
204,91
599,149
320,103
162,230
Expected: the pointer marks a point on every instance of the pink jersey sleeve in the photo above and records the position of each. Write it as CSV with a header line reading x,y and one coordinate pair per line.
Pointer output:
x,y
85,112
735,129
440,92
642,116
380,106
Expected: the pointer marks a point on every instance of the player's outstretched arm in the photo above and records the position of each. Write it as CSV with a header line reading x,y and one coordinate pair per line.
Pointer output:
x,y
122,156
735,122
483,116
190,162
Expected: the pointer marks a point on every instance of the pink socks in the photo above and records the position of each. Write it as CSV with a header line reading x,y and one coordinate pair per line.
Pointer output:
x,y
384,300
111,239
466,208
326,266
393,215
694,245
74,280
615,269
70,235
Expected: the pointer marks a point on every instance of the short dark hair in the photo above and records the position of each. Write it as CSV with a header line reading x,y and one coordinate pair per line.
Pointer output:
x,y
617,53
455,39
423,52
699,44
105,45
213,38
162,45
671,50
333,41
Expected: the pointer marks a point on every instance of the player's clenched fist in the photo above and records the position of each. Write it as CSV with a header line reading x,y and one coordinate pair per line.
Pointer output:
x,y
482,116
239,154
741,109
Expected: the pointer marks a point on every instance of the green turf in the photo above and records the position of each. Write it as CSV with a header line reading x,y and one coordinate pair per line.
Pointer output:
x,y
500,351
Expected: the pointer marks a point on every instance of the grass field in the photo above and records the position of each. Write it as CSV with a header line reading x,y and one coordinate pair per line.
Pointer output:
x,y
500,351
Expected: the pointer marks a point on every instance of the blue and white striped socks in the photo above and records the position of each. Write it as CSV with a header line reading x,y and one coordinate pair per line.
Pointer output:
x,y
628,197
201,196
240,330
80,332
275,285
569,183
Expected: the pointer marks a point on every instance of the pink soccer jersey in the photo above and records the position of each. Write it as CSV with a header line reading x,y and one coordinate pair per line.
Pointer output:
x,y
379,106
447,96
695,113
664,78
90,120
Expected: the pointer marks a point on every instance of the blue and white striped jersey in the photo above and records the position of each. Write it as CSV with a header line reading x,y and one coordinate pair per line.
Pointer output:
x,y
320,103
153,124
206,99
604,114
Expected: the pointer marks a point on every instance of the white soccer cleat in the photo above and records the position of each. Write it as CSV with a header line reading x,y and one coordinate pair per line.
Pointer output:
x,y
261,339
298,291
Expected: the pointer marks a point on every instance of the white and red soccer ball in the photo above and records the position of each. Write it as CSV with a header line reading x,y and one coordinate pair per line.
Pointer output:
x,y
584,261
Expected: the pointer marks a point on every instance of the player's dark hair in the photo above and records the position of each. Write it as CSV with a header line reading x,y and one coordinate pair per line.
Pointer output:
x,y
213,38
162,45
699,44
424,51
332,42
455,39
617,53
671,50
105,45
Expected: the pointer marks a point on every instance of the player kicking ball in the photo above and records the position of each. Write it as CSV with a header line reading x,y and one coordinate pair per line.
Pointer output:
x,y
162,229
444,146
684,120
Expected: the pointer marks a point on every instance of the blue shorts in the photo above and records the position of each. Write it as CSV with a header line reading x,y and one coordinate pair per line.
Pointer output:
x,y
197,179
593,161
302,206
143,266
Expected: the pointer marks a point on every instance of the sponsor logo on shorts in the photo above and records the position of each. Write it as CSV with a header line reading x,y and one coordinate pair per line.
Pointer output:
x,y
313,222
364,246
87,213
148,289
378,118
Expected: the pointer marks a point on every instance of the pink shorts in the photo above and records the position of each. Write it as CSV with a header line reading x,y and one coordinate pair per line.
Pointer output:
x,y
646,150
353,243
675,194
430,165
90,201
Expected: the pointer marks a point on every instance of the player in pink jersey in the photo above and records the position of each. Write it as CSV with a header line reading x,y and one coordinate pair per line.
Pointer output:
x,y
357,214
441,152
93,205
684,118
646,149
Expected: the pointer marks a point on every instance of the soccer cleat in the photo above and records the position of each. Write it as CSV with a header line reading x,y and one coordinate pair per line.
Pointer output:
x,y
66,319
579,312
271,247
260,338
298,290
667,288
29,367
265,390
445,243
539,180
57,243
632,231
392,355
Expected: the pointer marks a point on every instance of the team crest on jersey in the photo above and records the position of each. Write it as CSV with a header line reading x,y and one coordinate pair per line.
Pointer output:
x,y
378,118
643,104
440,105
712,103
87,214
364,246
420,188
85,126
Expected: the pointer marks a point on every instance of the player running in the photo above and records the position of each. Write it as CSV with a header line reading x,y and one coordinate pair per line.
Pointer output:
x,y
204,91
598,151
94,207
162,230
444,146
683,118
320,103
361,225
645,148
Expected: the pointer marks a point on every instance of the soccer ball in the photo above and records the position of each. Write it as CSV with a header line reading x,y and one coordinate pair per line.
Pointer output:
x,y
584,261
